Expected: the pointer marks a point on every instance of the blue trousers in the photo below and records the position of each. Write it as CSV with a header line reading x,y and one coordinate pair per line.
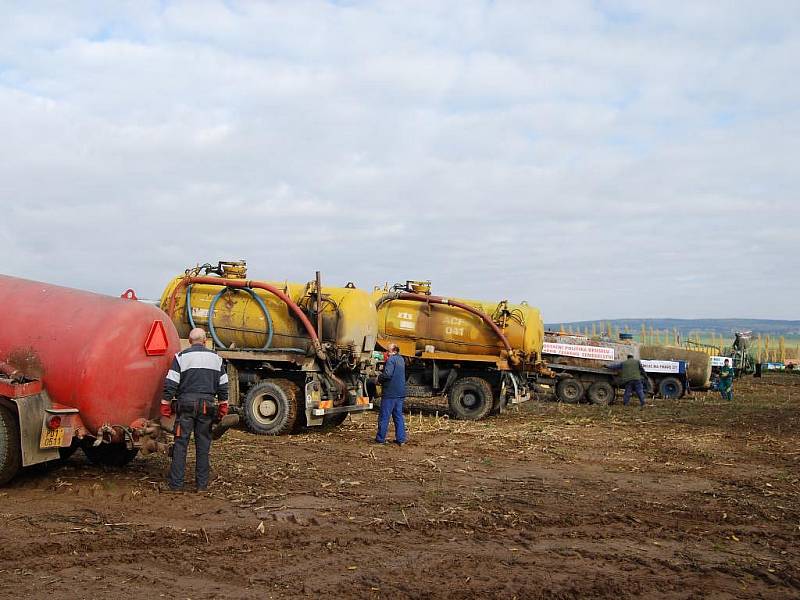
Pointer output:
x,y
391,407
633,386
191,418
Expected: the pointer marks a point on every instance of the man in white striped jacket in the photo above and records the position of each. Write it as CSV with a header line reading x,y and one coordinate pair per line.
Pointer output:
x,y
196,377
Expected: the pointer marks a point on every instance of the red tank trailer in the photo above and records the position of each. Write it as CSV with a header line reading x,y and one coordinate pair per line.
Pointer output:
x,y
101,363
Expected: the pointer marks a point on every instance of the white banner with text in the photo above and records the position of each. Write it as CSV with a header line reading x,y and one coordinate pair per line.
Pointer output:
x,y
595,352
661,366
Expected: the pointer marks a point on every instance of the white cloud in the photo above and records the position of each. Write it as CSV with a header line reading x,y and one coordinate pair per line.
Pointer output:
x,y
597,159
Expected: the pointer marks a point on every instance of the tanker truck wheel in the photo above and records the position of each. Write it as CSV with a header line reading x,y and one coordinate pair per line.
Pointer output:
x,y
470,399
10,452
270,407
109,455
670,387
600,392
569,390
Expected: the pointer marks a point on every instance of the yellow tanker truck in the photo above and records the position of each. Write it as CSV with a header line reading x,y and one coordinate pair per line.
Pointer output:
x,y
296,353
477,354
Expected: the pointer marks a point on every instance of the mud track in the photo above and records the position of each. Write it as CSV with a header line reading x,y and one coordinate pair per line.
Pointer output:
x,y
689,499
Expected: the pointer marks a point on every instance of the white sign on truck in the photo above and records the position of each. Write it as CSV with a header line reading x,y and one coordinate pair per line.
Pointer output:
x,y
593,352
661,366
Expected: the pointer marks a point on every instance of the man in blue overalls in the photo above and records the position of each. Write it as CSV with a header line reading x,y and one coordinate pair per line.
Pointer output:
x,y
393,385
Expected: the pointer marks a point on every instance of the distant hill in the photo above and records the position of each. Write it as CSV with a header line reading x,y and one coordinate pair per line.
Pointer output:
x,y
724,327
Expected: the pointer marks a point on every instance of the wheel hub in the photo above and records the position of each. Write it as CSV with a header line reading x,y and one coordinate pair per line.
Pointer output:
x,y
267,408
469,400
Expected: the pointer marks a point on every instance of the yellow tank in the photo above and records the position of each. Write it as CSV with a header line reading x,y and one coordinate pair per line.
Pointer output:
x,y
240,321
420,327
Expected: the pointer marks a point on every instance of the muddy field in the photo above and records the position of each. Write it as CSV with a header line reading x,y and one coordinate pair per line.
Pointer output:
x,y
689,499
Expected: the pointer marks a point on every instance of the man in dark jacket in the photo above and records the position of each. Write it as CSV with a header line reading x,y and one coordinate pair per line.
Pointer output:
x,y
393,393
631,376
197,375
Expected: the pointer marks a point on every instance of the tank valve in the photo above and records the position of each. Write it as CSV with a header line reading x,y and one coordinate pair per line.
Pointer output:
x,y
233,269
419,287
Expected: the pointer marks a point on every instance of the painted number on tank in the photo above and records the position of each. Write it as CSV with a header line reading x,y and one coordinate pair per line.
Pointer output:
x,y
454,326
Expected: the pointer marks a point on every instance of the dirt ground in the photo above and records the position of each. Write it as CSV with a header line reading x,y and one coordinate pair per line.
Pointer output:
x,y
695,498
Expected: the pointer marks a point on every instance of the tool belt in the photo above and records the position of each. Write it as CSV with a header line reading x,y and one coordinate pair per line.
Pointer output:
x,y
196,405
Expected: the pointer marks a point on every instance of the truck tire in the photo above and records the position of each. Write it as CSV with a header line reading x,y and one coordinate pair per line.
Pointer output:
x,y
10,451
569,390
600,392
109,455
470,399
670,387
270,407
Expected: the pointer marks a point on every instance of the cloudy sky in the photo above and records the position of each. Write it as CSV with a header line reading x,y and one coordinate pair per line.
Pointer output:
x,y
598,159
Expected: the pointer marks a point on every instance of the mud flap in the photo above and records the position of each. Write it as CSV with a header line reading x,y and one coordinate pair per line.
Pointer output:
x,y
31,410
226,423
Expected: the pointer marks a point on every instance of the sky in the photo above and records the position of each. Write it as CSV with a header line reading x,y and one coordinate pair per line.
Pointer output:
x,y
598,159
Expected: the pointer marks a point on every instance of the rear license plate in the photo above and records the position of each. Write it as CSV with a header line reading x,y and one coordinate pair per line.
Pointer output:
x,y
52,438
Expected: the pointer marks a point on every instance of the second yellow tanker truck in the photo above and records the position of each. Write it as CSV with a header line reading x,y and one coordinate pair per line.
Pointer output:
x,y
477,354
485,355
296,353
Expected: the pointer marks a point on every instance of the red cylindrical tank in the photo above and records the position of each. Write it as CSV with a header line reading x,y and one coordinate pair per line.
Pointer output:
x,y
105,356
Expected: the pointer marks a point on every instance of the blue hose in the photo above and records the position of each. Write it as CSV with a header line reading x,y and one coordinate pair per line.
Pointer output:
x,y
212,330
258,300
189,306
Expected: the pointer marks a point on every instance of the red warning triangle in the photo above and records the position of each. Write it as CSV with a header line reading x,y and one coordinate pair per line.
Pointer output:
x,y
156,344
